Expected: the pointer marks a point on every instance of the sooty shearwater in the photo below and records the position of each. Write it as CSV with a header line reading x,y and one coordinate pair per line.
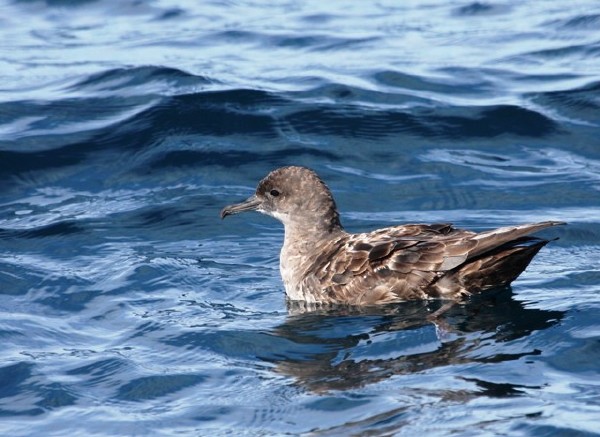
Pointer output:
x,y
321,263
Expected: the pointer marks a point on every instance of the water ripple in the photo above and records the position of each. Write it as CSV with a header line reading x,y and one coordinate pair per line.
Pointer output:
x,y
129,308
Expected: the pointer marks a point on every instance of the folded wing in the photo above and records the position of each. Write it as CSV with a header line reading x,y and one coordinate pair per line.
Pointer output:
x,y
420,261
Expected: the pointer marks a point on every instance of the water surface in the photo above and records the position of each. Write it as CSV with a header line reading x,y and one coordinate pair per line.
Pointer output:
x,y
129,308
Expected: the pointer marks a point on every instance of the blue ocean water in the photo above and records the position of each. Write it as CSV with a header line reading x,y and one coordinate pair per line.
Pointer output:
x,y
129,308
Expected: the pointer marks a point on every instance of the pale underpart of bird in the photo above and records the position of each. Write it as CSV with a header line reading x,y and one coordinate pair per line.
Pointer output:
x,y
321,263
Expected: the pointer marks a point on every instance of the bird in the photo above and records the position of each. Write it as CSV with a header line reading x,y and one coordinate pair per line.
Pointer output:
x,y
323,264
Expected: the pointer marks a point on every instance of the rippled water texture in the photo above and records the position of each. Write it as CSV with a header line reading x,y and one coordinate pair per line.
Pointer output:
x,y
129,308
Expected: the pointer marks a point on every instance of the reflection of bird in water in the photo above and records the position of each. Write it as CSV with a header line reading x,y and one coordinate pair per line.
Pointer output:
x,y
351,347
323,264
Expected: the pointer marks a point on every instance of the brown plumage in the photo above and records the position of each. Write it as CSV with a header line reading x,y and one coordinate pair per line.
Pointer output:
x,y
321,263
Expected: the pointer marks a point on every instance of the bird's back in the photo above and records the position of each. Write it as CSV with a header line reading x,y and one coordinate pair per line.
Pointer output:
x,y
417,262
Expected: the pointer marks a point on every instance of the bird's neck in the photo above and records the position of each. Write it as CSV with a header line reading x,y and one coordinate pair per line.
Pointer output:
x,y
301,248
305,240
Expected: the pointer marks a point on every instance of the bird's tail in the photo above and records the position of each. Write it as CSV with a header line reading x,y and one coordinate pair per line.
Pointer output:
x,y
500,266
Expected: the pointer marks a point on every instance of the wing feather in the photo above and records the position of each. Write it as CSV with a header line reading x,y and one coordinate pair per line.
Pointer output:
x,y
403,261
401,250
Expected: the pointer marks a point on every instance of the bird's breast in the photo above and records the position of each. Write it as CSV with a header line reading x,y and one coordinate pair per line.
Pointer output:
x,y
299,269
292,274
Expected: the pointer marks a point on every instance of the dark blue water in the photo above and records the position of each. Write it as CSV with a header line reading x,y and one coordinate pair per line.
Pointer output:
x,y
128,307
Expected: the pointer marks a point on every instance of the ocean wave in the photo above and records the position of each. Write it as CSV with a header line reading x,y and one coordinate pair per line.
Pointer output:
x,y
129,307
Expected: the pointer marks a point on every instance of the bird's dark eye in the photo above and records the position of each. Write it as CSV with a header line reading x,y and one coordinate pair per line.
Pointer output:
x,y
274,193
